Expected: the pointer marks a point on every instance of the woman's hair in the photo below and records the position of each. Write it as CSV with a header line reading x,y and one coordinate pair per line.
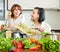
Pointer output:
x,y
41,14
14,7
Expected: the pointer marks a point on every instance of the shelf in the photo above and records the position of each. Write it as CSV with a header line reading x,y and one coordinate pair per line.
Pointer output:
x,y
57,9
2,9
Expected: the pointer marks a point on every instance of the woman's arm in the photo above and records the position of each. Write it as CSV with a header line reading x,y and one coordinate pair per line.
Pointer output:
x,y
46,27
9,19
9,15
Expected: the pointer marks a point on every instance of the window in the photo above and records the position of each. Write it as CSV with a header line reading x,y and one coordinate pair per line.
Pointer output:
x,y
2,9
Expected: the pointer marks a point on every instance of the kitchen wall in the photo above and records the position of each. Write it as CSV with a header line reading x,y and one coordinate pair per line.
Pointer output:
x,y
30,4
52,16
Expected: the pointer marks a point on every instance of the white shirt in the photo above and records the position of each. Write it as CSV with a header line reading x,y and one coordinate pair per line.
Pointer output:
x,y
13,22
44,25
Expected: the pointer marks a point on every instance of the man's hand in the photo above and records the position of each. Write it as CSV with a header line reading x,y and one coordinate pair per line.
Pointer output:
x,y
40,29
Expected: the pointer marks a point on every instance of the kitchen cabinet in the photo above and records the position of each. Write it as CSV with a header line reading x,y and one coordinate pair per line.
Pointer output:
x,y
2,9
30,4
59,4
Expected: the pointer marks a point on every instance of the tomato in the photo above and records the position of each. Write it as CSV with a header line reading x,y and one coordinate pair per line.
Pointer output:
x,y
21,50
17,50
14,42
13,50
38,43
34,48
38,46
19,46
33,40
22,44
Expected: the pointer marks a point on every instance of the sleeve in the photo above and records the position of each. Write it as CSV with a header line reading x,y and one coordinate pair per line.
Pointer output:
x,y
46,27
8,23
23,20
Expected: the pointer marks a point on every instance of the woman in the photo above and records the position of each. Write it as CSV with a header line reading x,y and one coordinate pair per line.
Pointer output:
x,y
15,16
37,17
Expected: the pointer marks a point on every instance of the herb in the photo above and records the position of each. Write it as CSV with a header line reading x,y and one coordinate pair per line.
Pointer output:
x,y
26,43
50,45
5,43
3,33
44,33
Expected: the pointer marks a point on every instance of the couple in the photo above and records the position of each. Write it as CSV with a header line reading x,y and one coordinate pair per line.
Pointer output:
x,y
37,18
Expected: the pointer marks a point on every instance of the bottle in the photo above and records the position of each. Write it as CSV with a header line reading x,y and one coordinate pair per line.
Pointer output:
x,y
8,34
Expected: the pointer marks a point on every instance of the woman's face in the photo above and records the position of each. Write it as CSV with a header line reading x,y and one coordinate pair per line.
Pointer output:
x,y
35,15
16,12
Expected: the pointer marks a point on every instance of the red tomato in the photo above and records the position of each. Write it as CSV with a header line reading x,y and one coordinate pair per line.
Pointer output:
x,y
34,49
21,50
38,46
17,50
33,40
38,43
15,43
19,47
21,44
13,50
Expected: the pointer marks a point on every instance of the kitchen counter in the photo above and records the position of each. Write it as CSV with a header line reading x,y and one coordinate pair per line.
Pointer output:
x,y
55,36
26,50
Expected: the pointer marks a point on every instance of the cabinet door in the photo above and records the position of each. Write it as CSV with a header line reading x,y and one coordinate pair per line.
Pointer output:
x,y
59,4
49,3
2,9
30,4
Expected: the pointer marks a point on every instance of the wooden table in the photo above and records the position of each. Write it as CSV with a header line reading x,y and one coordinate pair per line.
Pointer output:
x,y
33,51
26,50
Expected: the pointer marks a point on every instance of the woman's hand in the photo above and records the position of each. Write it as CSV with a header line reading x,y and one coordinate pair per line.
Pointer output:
x,y
9,15
40,29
